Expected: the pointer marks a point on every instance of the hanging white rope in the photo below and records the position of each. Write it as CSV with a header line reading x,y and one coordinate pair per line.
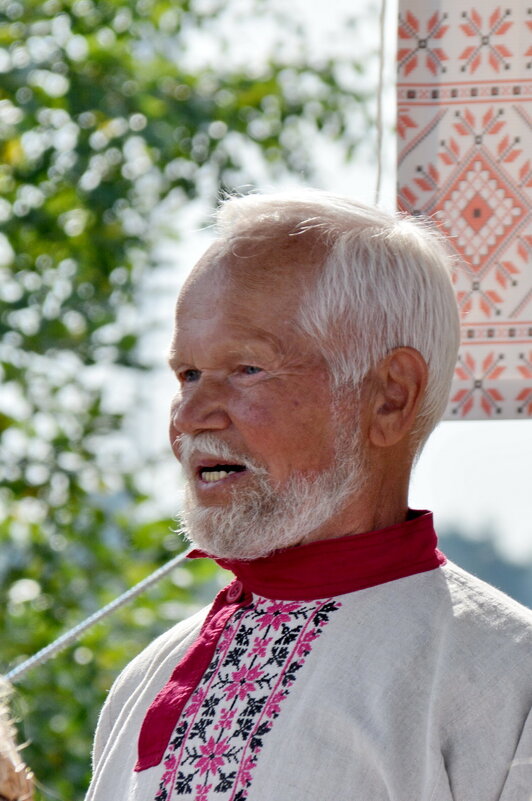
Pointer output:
x,y
73,634
380,91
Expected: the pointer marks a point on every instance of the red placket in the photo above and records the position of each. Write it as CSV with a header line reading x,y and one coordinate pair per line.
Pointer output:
x,y
161,717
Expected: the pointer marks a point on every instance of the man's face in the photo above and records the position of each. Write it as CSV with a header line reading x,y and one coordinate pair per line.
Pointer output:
x,y
253,422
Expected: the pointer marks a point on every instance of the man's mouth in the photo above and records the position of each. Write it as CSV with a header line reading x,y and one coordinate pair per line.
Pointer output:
x,y
218,472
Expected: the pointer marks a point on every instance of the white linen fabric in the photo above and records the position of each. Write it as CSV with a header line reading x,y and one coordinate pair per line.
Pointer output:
x,y
418,689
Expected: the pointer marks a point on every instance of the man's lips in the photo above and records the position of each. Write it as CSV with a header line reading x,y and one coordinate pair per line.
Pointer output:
x,y
211,469
218,472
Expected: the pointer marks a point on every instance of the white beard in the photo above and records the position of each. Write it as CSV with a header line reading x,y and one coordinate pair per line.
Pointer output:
x,y
267,517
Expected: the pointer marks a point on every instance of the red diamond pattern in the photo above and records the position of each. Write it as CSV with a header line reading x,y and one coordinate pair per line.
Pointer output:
x,y
479,188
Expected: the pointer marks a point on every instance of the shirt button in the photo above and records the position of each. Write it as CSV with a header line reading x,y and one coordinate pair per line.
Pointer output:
x,y
234,592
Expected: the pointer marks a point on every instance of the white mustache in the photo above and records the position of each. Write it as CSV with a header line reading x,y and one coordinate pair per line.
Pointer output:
x,y
211,446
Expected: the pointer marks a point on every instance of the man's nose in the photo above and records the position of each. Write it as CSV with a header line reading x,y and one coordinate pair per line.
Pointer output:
x,y
200,408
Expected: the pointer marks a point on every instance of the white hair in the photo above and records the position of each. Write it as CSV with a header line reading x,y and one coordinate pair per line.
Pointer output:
x,y
385,283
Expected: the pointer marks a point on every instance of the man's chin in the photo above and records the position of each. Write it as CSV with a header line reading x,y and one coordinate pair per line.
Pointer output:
x,y
219,548
224,534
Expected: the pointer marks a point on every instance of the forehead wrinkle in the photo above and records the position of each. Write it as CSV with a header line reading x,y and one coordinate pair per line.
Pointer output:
x,y
278,269
263,276
256,339
278,272
245,344
238,347
239,300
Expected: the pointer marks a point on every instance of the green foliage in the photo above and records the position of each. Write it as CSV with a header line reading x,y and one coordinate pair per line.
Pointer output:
x,y
105,121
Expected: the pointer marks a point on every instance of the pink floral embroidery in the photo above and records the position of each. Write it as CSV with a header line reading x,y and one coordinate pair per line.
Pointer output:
x,y
260,646
243,682
202,792
196,700
273,706
246,769
170,765
213,756
305,644
276,614
218,740
226,718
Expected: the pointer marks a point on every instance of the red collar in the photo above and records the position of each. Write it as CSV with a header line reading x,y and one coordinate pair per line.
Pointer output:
x,y
337,566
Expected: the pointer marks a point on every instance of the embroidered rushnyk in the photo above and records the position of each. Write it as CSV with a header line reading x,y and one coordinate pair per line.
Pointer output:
x,y
218,739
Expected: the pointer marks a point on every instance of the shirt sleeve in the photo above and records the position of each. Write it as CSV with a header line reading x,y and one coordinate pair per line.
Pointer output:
x,y
518,784
102,734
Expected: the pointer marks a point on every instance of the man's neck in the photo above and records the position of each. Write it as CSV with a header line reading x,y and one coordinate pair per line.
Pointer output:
x,y
379,505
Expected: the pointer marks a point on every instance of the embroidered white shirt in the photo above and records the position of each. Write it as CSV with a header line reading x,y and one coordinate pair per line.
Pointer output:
x,y
415,690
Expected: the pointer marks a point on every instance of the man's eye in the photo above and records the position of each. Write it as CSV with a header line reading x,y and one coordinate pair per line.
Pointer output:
x,y
251,369
187,376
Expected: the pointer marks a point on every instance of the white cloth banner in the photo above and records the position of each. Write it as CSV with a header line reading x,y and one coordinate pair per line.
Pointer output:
x,y
465,159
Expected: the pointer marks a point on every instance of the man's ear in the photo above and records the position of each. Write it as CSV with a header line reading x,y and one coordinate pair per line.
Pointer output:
x,y
399,383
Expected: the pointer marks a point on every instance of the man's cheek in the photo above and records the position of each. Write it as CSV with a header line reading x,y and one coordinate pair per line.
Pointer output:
x,y
173,435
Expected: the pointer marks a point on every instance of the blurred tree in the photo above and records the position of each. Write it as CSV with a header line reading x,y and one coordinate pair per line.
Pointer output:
x,y
106,123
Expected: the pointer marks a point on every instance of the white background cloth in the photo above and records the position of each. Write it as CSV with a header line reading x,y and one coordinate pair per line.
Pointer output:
x,y
464,88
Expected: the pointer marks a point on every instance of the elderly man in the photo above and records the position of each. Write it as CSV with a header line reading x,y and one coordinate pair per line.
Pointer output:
x,y
314,347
